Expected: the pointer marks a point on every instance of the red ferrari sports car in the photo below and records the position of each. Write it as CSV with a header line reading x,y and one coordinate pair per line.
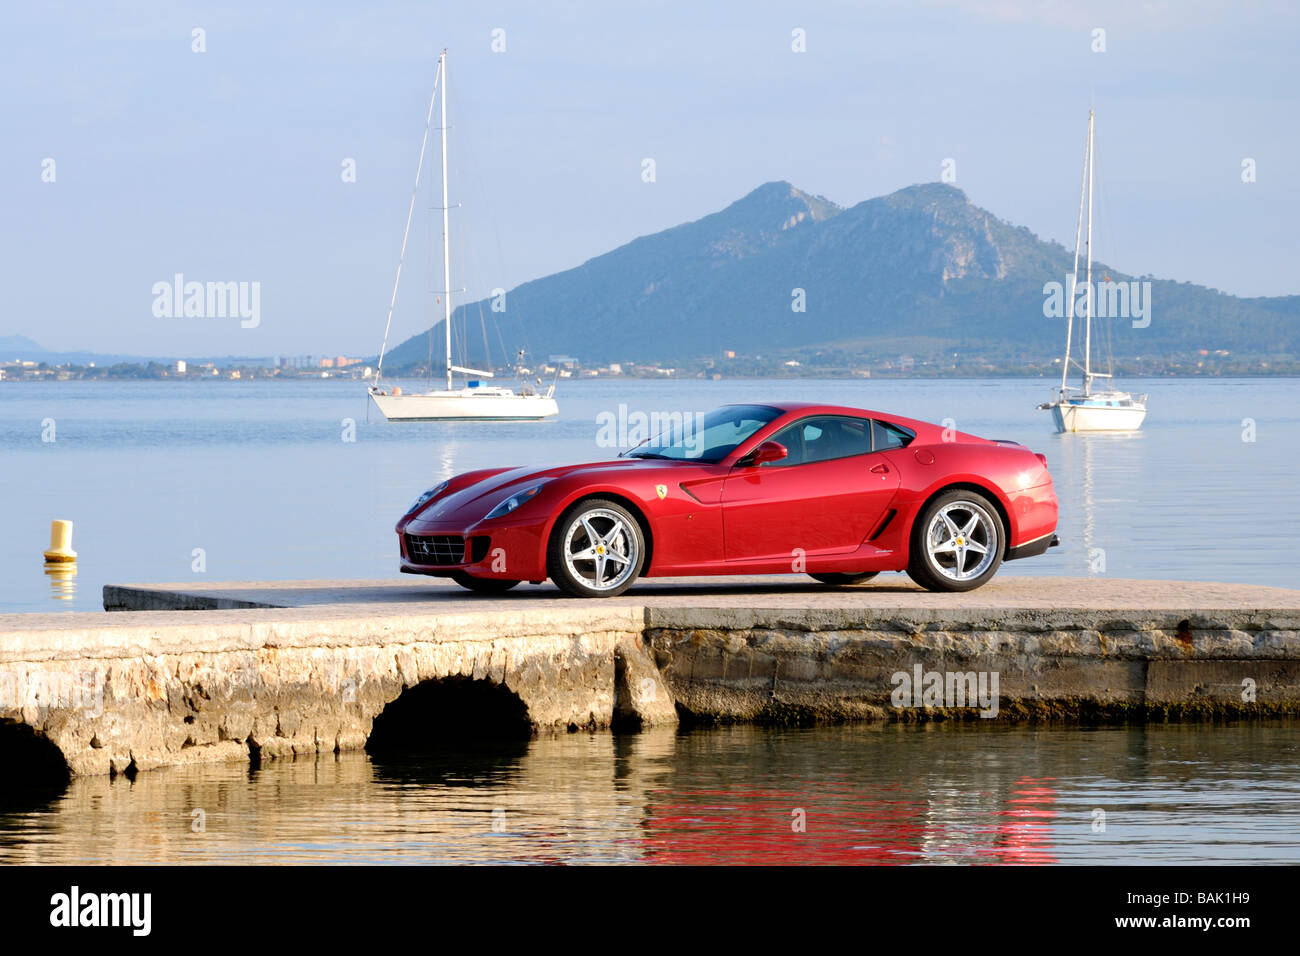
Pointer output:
x,y
838,493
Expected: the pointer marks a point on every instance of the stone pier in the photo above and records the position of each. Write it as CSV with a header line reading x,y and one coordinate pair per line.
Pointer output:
x,y
260,671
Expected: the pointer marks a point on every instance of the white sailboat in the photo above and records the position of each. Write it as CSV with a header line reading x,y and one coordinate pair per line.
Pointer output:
x,y
474,401
1083,408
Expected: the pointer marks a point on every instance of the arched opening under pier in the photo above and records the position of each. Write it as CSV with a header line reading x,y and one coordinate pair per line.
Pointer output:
x,y
31,767
447,714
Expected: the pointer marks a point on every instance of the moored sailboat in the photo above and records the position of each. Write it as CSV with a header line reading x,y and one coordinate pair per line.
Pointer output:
x,y
474,401
1082,408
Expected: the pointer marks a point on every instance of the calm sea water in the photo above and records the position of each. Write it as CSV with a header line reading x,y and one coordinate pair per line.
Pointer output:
x,y
863,794
258,479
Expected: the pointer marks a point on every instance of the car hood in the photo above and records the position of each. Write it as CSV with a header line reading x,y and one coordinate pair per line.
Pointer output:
x,y
475,500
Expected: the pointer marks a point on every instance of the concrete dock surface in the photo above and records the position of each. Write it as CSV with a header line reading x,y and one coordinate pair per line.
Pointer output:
x,y
793,591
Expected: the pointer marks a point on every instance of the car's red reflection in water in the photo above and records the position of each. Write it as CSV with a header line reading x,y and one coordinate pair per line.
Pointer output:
x,y
763,827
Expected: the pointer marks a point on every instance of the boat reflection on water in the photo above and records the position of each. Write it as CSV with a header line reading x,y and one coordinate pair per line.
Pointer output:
x,y
1107,460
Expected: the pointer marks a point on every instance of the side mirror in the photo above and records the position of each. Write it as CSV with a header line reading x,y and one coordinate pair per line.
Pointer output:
x,y
768,451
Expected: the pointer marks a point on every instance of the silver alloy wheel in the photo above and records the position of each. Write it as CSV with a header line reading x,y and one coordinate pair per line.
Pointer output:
x,y
962,540
600,549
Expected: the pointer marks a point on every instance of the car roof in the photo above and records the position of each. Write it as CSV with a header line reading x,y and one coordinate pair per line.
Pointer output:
x,y
818,408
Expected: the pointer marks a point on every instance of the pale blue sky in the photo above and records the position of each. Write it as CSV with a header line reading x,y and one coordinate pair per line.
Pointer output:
x,y
225,165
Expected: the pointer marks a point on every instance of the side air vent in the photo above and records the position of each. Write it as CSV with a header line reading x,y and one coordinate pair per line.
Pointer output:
x,y
884,523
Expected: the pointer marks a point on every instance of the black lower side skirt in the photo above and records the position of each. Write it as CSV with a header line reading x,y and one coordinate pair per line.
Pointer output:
x,y
1034,547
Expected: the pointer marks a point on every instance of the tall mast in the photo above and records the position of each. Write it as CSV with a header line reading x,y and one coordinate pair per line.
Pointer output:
x,y
1074,273
446,222
1087,355
406,233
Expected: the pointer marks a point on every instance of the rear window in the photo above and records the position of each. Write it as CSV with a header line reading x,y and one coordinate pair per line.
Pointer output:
x,y
885,436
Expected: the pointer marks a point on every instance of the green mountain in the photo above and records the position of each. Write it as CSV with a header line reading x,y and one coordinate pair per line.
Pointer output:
x,y
921,271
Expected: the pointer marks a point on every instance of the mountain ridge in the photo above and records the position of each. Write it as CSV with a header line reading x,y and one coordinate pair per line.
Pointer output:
x,y
921,268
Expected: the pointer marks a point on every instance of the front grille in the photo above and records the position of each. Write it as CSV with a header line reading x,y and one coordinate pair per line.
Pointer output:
x,y
436,549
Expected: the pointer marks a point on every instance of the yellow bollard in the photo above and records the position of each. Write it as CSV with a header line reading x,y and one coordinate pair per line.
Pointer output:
x,y
60,543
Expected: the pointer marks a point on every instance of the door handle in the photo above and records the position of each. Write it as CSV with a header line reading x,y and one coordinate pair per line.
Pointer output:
x,y
881,469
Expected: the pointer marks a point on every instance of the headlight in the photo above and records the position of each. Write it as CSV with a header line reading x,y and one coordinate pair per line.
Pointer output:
x,y
513,502
431,493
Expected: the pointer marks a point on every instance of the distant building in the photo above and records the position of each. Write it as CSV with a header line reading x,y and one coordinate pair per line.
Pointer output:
x,y
730,353
327,363
566,360
615,368
180,367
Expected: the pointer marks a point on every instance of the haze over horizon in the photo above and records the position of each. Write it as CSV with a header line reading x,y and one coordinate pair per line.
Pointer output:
x,y
225,165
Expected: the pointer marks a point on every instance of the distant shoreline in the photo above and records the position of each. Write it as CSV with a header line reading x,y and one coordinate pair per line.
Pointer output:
x,y
811,375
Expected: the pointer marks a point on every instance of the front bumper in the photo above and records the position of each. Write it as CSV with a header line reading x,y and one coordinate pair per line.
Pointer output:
x,y
513,552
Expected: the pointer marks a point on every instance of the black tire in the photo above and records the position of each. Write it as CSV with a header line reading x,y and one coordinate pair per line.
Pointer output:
x,y
840,578
936,573
483,585
608,519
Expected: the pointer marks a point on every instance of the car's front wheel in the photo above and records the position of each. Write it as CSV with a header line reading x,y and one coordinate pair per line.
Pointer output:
x,y
483,585
957,542
844,578
596,549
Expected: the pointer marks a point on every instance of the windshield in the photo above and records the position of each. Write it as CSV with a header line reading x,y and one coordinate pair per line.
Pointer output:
x,y
709,437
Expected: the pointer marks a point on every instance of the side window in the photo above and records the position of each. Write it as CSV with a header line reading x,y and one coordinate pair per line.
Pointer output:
x,y
823,438
886,436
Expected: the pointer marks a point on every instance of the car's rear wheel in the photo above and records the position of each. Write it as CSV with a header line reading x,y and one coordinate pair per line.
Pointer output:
x,y
483,585
957,542
596,549
844,578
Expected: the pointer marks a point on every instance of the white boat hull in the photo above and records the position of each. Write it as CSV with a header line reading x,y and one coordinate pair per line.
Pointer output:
x,y
1097,418
469,404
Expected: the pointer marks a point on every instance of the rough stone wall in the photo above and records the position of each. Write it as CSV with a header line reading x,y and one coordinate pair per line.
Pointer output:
x,y
168,688
768,669
303,689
